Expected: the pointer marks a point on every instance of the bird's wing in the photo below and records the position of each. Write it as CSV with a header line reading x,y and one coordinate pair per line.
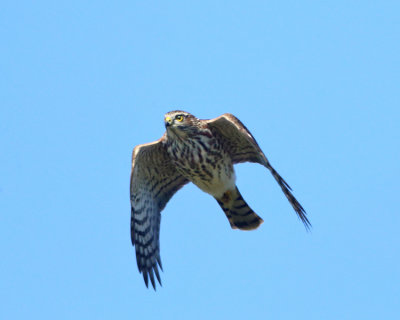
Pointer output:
x,y
154,180
242,147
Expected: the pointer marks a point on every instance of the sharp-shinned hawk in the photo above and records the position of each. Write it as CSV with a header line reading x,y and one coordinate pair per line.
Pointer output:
x,y
198,151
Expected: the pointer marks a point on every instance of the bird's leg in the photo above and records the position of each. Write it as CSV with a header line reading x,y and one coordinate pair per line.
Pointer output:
x,y
227,196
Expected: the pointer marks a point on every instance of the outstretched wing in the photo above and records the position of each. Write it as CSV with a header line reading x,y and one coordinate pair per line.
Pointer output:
x,y
154,180
242,147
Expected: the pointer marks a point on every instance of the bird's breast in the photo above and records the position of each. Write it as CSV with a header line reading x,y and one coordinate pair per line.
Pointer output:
x,y
205,163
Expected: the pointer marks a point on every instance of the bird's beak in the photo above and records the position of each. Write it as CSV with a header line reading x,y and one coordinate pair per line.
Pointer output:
x,y
168,121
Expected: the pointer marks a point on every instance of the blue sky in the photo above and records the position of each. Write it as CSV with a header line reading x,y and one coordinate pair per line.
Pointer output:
x,y
316,82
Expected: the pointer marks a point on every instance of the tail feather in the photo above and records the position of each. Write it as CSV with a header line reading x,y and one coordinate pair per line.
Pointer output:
x,y
238,212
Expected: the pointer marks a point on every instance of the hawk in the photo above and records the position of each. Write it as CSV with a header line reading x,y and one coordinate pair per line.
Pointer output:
x,y
198,151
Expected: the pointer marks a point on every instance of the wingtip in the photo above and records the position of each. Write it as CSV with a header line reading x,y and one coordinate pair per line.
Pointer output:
x,y
303,217
307,225
146,278
159,263
150,274
153,283
157,275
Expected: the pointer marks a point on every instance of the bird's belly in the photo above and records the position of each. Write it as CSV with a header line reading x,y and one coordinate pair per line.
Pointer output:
x,y
213,179
217,187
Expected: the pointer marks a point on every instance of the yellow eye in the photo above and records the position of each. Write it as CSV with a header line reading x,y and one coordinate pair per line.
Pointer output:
x,y
179,118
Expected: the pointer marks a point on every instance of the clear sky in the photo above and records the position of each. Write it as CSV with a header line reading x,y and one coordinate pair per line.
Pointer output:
x,y
316,82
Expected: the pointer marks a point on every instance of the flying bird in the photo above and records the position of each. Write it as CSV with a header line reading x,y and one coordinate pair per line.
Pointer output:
x,y
198,151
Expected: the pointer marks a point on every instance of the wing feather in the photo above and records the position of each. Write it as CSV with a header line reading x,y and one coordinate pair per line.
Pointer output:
x,y
154,180
243,147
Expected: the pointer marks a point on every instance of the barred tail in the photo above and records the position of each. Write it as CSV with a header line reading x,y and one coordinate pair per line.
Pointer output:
x,y
238,212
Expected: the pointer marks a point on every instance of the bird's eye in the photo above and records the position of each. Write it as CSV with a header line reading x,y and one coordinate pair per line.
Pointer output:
x,y
179,118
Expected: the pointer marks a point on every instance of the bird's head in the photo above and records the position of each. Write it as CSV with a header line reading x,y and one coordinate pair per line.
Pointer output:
x,y
181,123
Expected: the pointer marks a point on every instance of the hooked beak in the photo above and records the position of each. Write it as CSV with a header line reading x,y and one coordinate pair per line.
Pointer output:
x,y
168,121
